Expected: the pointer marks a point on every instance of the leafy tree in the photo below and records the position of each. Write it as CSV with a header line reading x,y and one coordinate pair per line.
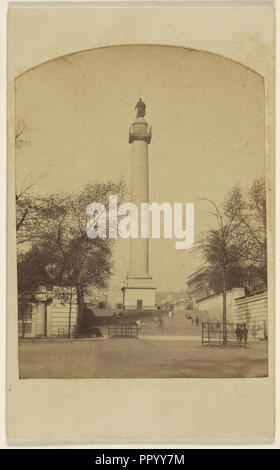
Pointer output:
x,y
31,269
61,253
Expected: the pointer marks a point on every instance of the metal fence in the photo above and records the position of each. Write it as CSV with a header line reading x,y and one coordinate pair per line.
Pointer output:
x,y
123,329
212,333
64,333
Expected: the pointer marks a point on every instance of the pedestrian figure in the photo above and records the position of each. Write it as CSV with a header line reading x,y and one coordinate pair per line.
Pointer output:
x,y
197,321
238,334
245,334
241,334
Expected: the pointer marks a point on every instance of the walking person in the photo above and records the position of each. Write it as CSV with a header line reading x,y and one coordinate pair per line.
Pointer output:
x,y
238,334
241,334
245,334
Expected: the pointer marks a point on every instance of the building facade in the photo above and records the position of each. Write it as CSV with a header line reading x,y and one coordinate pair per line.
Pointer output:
x,y
198,285
48,312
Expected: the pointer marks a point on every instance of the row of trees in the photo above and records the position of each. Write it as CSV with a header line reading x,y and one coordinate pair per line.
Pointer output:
x,y
236,248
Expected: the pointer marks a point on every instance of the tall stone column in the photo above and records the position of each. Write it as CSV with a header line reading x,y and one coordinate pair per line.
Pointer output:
x,y
139,138
139,291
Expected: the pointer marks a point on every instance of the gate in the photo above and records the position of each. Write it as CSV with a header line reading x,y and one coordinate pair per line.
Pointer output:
x,y
212,333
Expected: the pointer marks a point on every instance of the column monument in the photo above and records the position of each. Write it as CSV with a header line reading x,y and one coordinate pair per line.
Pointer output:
x,y
139,291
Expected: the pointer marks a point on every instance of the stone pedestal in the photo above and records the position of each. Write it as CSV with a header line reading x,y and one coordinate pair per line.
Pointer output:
x,y
139,293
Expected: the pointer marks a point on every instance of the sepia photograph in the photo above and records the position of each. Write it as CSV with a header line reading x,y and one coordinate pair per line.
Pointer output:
x,y
140,224
141,216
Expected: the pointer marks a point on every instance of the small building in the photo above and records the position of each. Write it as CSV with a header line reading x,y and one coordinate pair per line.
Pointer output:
x,y
178,300
50,311
182,303
97,298
165,300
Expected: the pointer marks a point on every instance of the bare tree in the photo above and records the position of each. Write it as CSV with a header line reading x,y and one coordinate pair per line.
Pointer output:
x,y
221,247
25,201
20,130
236,248
250,210
67,295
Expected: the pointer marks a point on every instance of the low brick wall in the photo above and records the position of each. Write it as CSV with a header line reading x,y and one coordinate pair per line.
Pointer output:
x,y
213,306
253,311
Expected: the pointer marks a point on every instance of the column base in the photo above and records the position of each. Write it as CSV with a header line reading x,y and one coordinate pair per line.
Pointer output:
x,y
139,293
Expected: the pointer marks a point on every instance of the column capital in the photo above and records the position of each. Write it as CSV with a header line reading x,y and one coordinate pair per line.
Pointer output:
x,y
140,130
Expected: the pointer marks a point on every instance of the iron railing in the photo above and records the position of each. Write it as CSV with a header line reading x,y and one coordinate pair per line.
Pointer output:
x,y
64,333
212,333
123,329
